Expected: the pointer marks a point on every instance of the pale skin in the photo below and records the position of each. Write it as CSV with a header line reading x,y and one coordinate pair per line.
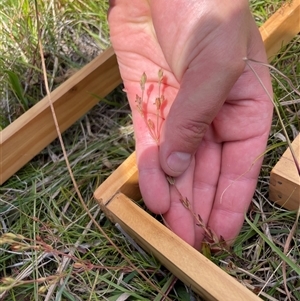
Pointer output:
x,y
217,115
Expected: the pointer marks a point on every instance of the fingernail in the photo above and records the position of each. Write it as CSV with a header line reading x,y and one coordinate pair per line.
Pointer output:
x,y
179,161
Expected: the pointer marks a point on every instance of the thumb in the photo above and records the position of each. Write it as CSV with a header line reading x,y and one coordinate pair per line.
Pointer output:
x,y
200,97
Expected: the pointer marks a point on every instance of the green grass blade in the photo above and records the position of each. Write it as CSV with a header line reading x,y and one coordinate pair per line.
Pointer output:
x,y
17,88
275,249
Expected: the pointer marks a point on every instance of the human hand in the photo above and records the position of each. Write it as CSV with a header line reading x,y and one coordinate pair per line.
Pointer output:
x,y
217,115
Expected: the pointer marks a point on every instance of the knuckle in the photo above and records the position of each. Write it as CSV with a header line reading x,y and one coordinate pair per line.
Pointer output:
x,y
192,130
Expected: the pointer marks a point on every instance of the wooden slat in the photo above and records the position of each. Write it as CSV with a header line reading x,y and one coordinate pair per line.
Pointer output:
x,y
195,270
281,27
285,180
34,130
124,179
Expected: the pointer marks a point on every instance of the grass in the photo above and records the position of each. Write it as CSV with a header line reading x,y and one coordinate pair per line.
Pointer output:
x,y
73,33
61,254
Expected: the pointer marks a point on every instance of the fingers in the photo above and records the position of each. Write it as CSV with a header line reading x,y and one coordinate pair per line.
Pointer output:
x,y
179,218
244,124
152,180
158,195
241,162
206,175
207,61
199,99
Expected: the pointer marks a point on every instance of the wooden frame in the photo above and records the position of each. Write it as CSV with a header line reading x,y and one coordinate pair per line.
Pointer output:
x,y
195,270
35,129
115,194
281,27
285,179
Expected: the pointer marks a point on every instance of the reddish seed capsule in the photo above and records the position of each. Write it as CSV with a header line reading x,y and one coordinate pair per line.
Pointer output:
x,y
160,75
157,103
143,81
150,124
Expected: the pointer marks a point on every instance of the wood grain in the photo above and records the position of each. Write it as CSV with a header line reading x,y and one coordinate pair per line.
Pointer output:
x,y
195,270
124,179
285,180
34,130
281,27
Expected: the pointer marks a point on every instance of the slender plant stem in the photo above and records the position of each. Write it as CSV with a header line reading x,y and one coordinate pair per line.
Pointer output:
x,y
275,106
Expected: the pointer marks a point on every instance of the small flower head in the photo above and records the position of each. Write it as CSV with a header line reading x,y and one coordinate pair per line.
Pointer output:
x,y
143,81
151,124
157,102
185,202
160,75
139,103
